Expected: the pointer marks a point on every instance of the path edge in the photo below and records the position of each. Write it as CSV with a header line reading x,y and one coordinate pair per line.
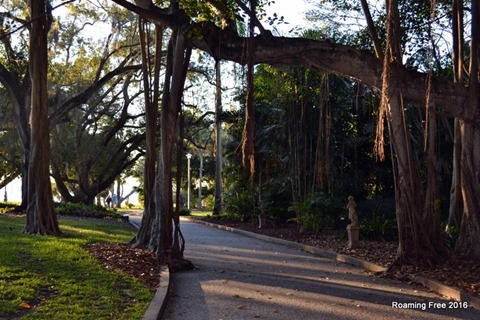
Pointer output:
x,y
159,302
157,306
440,288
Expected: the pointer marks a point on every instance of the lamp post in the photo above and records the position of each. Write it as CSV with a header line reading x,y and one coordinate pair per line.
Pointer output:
x,y
189,156
200,152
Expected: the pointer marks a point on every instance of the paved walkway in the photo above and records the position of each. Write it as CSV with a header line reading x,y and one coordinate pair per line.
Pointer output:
x,y
239,277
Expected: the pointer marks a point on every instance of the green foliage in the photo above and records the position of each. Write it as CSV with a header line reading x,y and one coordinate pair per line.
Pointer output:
x,y
278,214
209,201
295,145
221,217
61,279
84,210
450,235
416,38
200,12
241,204
313,213
377,227
7,206
185,211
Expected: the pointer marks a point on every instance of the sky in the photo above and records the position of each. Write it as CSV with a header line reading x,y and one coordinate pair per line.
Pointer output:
x,y
293,12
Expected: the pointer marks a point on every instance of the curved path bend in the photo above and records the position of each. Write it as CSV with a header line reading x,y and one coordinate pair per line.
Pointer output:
x,y
239,277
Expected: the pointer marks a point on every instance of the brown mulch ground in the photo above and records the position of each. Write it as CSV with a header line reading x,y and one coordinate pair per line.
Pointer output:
x,y
138,263
462,274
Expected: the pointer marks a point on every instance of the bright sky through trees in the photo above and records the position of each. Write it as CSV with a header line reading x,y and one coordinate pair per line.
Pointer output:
x,y
293,13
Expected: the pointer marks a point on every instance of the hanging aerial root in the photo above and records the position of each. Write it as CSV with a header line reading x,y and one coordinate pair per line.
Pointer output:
x,y
248,147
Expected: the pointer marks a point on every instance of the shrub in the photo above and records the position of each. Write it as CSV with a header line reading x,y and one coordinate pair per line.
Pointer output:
x,y
209,201
7,207
450,236
83,210
279,215
185,211
311,213
377,227
241,204
221,217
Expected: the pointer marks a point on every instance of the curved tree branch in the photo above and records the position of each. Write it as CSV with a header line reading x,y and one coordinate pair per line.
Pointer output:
x,y
83,97
342,60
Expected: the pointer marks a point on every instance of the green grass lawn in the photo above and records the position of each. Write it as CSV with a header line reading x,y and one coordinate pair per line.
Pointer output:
x,y
44,277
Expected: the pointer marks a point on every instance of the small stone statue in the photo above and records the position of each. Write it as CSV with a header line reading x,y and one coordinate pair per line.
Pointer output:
x,y
352,213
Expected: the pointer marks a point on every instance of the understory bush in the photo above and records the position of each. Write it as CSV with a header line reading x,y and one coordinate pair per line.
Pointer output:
x,y
185,211
450,236
84,210
209,201
241,204
377,227
279,215
7,206
315,213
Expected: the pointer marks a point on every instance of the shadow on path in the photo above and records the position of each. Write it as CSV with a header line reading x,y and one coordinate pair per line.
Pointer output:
x,y
238,277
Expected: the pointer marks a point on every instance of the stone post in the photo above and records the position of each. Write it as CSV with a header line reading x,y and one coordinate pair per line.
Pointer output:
x,y
353,229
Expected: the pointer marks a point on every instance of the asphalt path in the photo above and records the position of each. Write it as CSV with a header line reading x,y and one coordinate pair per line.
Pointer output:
x,y
135,218
238,277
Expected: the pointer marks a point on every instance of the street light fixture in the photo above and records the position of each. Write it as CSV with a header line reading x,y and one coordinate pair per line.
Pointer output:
x,y
189,156
200,153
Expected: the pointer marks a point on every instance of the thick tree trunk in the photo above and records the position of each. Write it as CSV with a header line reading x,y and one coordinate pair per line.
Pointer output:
x,y
419,238
178,240
418,226
177,65
456,203
144,234
468,243
41,218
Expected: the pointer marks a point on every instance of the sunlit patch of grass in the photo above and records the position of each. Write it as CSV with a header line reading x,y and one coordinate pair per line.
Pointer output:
x,y
203,213
7,206
44,277
103,232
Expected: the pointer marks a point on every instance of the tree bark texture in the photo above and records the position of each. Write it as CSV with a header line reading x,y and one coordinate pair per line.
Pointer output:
x,y
248,143
143,236
178,59
41,218
418,228
468,242
456,203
